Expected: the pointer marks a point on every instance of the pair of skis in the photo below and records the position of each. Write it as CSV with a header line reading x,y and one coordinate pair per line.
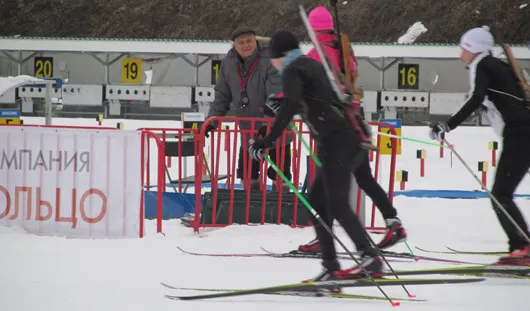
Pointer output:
x,y
313,289
461,252
317,294
476,269
391,256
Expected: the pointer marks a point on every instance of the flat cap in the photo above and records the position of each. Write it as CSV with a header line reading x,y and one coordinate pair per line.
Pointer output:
x,y
243,30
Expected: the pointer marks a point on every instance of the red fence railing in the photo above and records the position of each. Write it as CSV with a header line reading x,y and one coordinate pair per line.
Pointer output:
x,y
220,154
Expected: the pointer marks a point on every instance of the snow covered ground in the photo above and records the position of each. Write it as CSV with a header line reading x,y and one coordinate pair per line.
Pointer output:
x,y
51,273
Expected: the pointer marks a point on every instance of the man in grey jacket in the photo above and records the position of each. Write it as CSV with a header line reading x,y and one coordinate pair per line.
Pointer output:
x,y
246,79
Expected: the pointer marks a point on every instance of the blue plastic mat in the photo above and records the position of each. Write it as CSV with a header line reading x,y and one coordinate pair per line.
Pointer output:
x,y
426,193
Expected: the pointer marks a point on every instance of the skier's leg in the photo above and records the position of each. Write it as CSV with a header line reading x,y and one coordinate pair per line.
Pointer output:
x,y
313,245
318,201
511,169
337,177
395,232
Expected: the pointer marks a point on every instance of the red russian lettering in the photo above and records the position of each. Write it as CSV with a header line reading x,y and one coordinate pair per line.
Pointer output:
x,y
41,203
103,207
18,190
8,202
58,217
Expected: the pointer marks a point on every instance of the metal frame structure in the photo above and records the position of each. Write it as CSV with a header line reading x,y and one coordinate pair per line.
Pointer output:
x,y
196,53
181,48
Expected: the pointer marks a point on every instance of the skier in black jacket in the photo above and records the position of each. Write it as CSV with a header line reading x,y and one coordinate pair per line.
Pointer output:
x,y
495,90
308,92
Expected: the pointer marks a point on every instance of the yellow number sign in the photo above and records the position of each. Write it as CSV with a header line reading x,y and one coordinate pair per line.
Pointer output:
x,y
43,67
386,141
408,76
131,70
216,66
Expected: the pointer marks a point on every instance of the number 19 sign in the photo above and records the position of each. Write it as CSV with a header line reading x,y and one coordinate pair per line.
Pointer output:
x,y
131,70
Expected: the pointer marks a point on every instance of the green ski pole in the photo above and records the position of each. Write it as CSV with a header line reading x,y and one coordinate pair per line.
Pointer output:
x,y
414,140
322,222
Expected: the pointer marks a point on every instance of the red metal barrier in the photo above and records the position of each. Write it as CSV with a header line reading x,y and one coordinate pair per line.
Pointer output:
x,y
161,137
393,142
145,173
223,161
231,151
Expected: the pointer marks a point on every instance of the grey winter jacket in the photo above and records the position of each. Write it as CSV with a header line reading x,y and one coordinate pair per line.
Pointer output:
x,y
264,80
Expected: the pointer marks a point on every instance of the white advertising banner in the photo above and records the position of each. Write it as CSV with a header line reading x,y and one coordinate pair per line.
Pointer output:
x,y
81,183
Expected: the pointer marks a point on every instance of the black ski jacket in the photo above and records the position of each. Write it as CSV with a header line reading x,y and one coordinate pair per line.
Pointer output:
x,y
308,92
492,79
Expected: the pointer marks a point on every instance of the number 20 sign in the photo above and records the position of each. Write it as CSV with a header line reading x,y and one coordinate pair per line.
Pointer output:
x,y
43,67
131,70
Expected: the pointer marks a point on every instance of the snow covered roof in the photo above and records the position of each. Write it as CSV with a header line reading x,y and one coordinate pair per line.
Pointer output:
x,y
211,47
7,83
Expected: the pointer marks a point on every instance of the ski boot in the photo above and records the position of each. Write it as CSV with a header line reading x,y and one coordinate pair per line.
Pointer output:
x,y
313,248
327,274
518,257
368,264
395,233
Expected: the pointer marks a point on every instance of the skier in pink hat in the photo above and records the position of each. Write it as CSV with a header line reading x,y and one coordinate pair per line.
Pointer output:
x,y
321,22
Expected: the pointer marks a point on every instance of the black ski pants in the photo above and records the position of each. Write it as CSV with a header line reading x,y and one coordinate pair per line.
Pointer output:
x,y
513,165
329,195
366,181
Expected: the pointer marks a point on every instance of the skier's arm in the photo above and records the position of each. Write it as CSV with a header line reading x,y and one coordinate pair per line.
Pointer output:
x,y
478,93
293,96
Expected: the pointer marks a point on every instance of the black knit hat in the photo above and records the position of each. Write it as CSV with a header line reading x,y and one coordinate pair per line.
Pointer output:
x,y
282,42
243,30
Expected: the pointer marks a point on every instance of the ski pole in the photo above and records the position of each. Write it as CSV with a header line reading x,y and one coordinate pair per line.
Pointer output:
x,y
325,225
306,145
412,140
493,198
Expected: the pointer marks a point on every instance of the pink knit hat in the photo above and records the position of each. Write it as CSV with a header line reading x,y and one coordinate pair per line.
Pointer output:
x,y
320,19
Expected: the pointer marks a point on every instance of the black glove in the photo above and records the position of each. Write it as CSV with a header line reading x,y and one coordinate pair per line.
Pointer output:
x,y
438,130
208,129
256,148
